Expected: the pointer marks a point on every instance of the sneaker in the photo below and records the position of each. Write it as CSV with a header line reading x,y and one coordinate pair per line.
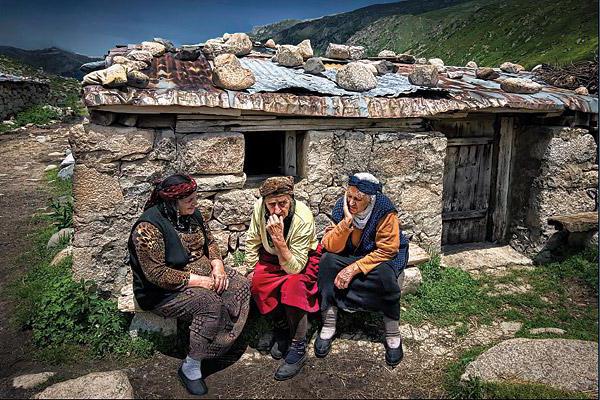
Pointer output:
x,y
322,346
294,361
393,356
281,344
196,386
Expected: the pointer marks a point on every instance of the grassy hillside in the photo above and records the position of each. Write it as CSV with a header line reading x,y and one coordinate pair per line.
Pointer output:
x,y
263,33
491,32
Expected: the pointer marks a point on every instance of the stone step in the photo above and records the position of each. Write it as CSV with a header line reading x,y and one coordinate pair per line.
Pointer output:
x,y
416,256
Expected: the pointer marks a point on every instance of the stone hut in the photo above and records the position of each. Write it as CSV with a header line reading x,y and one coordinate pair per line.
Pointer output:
x,y
18,93
464,160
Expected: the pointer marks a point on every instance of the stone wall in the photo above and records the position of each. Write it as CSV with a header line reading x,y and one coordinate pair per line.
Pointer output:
x,y
116,165
19,95
554,168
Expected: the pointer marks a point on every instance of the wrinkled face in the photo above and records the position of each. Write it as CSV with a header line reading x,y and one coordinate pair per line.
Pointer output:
x,y
357,200
187,205
278,204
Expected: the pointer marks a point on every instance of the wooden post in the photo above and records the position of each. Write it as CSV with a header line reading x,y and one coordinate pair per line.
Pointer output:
x,y
289,156
505,160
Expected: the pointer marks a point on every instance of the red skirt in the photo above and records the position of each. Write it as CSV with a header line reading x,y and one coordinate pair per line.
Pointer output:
x,y
271,285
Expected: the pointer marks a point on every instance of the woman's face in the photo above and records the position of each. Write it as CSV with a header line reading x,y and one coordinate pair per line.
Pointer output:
x,y
187,205
278,205
357,200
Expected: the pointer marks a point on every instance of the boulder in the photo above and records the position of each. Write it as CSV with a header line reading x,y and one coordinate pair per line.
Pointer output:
x,y
421,60
313,65
169,46
424,75
97,385
552,331
113,76
372,68
140,55
511,68
137,79
386,53
582,90
570,365
61,255
151,323
93,66
438,63
155,48
188,53
233,77
209,183
486,73
67,172
519,85
227,59
356,77
238,44
356,52
412,281
471,64
64,234
386,67
270,44
226,36
30,381
131,65
305,49
235,206
337,51
455,74
406,59
289,56
211,153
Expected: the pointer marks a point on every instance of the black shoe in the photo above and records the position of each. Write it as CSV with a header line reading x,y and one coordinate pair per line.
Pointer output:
x,y
290,368
322,346
281,344
196,386
393,356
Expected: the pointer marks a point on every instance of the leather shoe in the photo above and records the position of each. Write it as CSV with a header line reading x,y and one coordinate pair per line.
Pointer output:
x,y
322,346
195,386
280,344
287,371
393,356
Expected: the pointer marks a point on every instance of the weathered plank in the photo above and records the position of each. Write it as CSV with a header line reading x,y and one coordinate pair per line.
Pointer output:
x,y
505,161
469,141
468,214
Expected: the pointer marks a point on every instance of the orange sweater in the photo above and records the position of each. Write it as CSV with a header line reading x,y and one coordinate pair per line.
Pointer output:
x,y
387,240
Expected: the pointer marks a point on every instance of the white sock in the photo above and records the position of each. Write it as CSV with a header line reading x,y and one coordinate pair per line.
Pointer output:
x,y
392,332
191,368
329,321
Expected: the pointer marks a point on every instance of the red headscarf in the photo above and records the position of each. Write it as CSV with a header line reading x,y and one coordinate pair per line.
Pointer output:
x,y
174,187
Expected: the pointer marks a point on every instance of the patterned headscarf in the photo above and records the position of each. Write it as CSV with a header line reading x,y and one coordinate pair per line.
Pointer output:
x,y
174,187
277,185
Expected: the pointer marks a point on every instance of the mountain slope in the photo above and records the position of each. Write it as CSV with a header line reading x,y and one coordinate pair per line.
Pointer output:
x,y
263,33
52,60
491,32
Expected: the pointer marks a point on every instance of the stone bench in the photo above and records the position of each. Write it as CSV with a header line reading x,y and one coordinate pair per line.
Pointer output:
x,y
581,228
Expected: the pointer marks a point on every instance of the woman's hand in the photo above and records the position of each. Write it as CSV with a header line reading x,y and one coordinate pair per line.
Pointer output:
x,y
275,228
347,214
219,276
345,276
205,282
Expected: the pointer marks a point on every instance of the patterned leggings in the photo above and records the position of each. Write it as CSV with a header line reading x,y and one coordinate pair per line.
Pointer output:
x,y
216,320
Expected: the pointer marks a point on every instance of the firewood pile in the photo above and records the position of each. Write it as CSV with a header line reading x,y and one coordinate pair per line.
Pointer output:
x,y
572,76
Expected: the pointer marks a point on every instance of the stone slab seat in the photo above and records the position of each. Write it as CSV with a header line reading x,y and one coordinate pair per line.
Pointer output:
x,y
579,222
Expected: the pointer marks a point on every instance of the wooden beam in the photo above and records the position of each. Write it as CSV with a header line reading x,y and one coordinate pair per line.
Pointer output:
x,y
505,161
469,214
468,141
132,109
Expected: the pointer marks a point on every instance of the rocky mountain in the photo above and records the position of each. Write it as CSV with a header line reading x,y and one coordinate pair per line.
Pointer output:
x,y
265,32
52,60
487,31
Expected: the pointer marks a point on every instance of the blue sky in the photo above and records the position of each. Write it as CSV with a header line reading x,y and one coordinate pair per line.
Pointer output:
x,y
92,27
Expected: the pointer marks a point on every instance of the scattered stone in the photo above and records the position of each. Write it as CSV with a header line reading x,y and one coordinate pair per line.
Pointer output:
x,y
113,76
97,385
188,53
486,73
471,64
356,77
438,63
61,255
356,52
50,167
510,328
232,77
344,52
289,56
553,331
562,364
520,85
131,65
227,59
169,46
140,55
412,280
406,59
155,48
238,44
69,159
386,67
150,322
314,66
386,53
63,234
270,44
421,60
582,90
511,68
30,381
424,75
41,139
137,79
455,74
67,172
305,49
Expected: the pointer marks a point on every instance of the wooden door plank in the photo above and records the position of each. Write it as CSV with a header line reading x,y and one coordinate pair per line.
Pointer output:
x,y
506,143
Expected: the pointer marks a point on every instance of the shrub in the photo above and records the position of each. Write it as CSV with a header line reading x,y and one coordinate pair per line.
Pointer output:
x,y
38,115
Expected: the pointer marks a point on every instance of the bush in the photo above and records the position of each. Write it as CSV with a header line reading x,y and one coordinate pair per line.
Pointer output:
x,y
38,115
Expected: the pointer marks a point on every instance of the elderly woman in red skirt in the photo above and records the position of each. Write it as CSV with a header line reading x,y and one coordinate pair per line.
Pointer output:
x,y
283,253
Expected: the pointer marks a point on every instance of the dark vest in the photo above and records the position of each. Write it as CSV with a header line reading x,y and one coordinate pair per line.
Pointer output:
x,y
383,206
147,294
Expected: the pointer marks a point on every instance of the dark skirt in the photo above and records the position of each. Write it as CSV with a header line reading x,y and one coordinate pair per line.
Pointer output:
x,y
377,291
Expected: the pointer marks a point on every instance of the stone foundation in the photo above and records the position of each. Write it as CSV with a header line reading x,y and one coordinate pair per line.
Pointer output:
x,y
17,95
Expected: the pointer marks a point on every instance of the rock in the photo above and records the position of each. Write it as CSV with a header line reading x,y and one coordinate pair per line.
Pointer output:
x,y
270,44
289,56
30,381
437,62
520,85
188,53
486,73
553,331
238,44
226,36
582,90
305,49
67,172
482,256
570,365
407,59
50,167
97,385
412,280
386,53
137,79
511,68
386,67
63,234
509,328
356,52
206,208
421,60
592,242
155,48
127,119
322,221
227,59
212,153
61,255
231,77
140,55
313,65
113,76
337,51
211,183
235,207
471,64
93,66
455,74
424,75
131,65
372,68
356,77
149,322
169,46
